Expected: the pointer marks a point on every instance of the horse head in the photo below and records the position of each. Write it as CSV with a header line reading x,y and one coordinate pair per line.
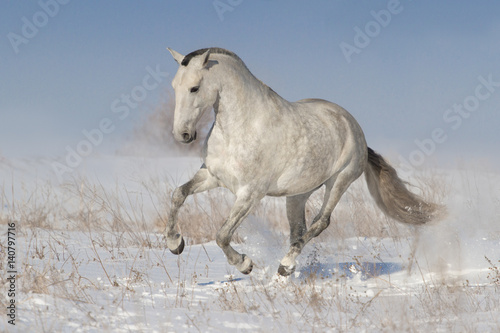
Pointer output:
x,y
194,94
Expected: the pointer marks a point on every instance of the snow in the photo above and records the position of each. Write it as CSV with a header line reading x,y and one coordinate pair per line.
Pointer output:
x,y
90,259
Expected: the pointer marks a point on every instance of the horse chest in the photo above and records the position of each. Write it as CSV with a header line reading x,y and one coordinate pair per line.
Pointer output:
x,y
234,163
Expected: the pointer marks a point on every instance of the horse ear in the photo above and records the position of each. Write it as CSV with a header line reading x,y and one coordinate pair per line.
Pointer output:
x,y
202,60
177,56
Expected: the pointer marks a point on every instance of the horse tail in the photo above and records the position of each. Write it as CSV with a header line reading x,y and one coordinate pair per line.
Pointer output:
x,y
392,196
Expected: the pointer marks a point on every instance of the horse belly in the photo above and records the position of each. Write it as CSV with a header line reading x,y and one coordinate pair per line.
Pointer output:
x,y
301,177
311,159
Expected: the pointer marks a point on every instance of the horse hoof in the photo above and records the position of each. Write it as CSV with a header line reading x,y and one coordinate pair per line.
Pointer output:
x,y
286,270
246,266
177,248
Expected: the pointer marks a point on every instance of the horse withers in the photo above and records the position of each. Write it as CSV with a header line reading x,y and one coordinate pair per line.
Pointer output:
x,y
260,144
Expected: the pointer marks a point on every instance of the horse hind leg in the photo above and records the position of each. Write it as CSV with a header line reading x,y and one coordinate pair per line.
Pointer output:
x,y
296,215
335,188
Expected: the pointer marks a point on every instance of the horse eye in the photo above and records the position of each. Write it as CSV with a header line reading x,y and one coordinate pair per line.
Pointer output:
x,y
194,89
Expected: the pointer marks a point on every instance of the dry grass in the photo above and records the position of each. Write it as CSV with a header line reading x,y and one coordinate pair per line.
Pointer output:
x,y
118,225
494,272
81,206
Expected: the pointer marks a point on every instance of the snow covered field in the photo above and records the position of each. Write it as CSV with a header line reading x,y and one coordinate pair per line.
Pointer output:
x,y
90,257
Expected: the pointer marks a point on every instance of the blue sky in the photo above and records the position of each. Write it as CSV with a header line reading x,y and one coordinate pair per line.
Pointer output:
x,y
62,77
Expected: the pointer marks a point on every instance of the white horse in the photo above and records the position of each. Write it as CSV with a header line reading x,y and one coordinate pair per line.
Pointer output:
x,y
260,144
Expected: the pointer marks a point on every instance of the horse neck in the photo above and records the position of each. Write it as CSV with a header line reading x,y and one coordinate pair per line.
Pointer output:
x,y
242,97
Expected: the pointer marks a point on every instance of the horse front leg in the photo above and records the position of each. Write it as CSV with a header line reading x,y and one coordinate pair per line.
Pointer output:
x,y
203,180
246,199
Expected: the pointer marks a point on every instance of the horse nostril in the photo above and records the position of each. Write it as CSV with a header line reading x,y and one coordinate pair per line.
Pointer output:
x,y
186,137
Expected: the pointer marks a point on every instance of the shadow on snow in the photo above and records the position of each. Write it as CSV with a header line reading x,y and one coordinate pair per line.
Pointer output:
x,y
365,270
